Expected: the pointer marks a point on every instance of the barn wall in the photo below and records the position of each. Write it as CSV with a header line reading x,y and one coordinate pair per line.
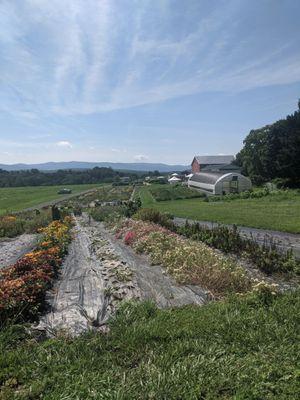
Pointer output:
x,y
195,166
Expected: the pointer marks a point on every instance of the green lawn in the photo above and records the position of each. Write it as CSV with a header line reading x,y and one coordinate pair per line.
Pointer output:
x,y
16,199
279,212
239,349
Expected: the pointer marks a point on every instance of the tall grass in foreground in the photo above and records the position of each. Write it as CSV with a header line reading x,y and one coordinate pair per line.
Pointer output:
x,y
244,348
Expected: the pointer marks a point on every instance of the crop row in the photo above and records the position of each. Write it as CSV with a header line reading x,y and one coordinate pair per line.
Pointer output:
x,y
23,285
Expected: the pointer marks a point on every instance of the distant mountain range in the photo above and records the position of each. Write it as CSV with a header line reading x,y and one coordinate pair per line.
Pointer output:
x,y
54,166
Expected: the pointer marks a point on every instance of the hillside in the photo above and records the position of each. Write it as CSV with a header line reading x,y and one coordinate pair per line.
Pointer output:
x,y
52,166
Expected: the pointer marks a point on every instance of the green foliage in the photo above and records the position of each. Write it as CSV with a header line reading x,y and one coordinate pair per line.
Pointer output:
x,y
228,240
107,193
174,192
265,257
152,215
273,152
248,194
35,177
26,222
244,348
108,213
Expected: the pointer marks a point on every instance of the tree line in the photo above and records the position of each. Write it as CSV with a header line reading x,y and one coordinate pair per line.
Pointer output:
x,y
35,177
272,153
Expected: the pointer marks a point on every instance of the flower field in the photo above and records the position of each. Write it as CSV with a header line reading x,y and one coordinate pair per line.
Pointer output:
x,y
188,261
23,285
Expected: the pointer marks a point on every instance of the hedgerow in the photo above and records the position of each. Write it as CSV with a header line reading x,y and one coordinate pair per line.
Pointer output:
x,y
227,239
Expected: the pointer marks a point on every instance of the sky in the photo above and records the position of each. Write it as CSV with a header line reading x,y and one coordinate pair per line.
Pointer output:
x,y
143,80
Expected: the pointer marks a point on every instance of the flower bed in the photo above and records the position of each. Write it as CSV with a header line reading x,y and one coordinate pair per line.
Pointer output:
x,y
25,222
23,285
189,261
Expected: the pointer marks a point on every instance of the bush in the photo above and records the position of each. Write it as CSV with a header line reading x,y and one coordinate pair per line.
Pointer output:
x,y
248,194
106,213
227,239
152,215
27,222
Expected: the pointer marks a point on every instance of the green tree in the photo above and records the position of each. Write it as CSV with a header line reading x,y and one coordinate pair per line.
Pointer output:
x,y
273,152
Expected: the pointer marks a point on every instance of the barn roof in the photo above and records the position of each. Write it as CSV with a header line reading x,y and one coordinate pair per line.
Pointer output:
x,y
214,159
207,177
222,167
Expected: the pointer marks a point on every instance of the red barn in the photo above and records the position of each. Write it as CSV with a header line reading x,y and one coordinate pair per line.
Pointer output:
x,y
208,163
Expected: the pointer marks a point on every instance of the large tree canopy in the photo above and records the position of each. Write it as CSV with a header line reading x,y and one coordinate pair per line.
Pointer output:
x,y
273,152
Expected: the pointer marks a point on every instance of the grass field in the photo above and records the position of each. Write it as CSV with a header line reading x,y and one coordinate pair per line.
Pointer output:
x,y
239,349
16,199
279,212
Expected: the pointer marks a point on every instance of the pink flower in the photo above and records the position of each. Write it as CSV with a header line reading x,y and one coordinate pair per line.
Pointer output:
x,y
129,238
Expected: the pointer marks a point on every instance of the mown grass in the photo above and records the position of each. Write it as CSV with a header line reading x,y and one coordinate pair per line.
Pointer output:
x,y
240,349
16,199
279,212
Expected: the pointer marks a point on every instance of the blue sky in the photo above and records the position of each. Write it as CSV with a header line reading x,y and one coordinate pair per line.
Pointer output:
x,y
143,80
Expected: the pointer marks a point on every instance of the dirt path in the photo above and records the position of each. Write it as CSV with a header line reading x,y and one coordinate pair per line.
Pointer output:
x,y
284,241
13,249
98,273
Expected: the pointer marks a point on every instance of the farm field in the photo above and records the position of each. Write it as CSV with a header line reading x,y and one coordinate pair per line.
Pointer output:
x,y
19,198
244,346
279,212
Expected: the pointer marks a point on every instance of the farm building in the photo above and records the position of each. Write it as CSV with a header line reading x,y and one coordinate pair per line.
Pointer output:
x,y
174,179
211,163
219,182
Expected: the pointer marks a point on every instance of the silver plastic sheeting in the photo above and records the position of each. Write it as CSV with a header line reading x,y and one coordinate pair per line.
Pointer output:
x,y
100,272
78,301
13,249
153,281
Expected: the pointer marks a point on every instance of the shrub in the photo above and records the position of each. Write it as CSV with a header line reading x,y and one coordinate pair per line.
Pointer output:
x,y
227,239
152,215
26,222
266,257
107,213
248,194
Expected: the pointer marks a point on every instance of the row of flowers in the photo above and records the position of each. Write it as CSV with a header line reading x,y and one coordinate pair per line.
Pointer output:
x,y
23,285
188,261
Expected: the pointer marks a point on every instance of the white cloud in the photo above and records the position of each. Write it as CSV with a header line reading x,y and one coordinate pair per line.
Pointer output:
x,y
141,157
65,144
100,56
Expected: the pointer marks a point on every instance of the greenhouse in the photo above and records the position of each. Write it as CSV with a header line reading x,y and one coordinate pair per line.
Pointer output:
x,y
219,182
